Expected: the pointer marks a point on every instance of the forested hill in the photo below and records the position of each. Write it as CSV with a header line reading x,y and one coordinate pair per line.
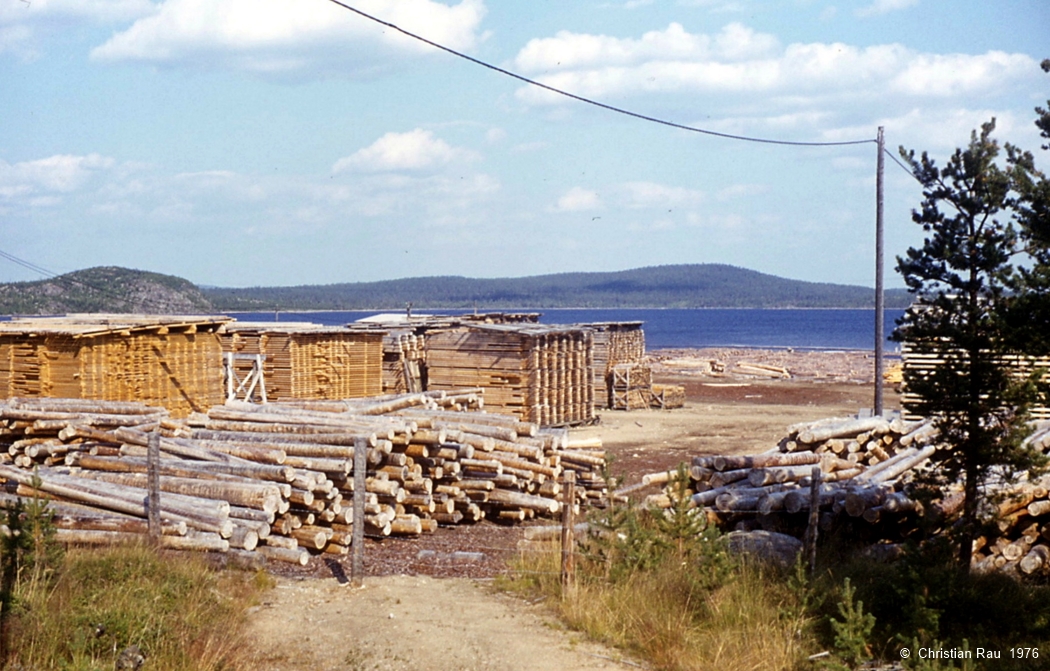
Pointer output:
x,y
104,289
112,289
678,286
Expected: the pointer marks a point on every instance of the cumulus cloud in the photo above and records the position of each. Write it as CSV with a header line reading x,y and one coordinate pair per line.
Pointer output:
x,y
739,60
415,150
289,39
62,173
940,131
578,199
92,10
885,7
641,195
23,24
572,51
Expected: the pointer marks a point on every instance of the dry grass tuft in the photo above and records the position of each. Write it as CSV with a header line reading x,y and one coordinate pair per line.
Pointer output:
x,y
181,613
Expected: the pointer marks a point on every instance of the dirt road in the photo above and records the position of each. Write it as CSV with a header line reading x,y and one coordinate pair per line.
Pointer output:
x,y
429,604
414,622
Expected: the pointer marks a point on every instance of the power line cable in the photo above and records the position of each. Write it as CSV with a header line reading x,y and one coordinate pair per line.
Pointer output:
x,y
26,264
105,292
589,101
903,167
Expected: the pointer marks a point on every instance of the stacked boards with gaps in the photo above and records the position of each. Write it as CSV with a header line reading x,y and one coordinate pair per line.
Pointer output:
x,y
169,361
615,344
917,361
540,374
309,361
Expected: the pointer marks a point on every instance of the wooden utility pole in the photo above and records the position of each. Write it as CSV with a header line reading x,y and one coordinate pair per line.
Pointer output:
x,y
879,298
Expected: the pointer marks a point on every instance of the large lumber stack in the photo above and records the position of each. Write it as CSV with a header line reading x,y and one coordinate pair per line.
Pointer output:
x,y
867,468
615,343
404,358
173,362
917,361
309,361
539,374
278,478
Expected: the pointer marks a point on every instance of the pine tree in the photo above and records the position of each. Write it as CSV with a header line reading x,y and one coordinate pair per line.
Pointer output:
x,y
965,286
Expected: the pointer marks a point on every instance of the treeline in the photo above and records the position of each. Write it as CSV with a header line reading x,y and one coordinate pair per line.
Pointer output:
x,y
121,290
673,286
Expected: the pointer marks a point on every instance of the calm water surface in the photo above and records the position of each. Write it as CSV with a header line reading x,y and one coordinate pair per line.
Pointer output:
x,y
801,329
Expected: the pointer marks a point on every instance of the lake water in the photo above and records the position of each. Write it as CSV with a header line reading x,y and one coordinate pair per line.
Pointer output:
x,y
708,327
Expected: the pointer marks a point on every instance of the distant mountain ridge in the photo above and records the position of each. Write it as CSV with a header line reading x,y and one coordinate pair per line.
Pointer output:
x,y
671,286
122,290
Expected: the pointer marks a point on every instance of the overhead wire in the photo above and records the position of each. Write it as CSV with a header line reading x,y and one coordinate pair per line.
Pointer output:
x,y
589,101
902,166
26,264
72,281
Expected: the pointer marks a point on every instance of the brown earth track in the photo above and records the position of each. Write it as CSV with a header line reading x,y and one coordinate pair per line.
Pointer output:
x,y
725,412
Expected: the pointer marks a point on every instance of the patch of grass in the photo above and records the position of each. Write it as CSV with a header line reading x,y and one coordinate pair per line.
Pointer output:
x,y
661,586
181,613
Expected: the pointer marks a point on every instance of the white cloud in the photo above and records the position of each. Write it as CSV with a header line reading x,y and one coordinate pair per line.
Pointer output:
x,y
62,173
640,195
739,60
716,6
415,150
134,202
24,23
290,39
959,74
92,10
570,51
941,130
735,191
578,199
885,7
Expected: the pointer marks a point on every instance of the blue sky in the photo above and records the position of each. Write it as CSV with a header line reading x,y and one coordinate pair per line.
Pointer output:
x,y
286,142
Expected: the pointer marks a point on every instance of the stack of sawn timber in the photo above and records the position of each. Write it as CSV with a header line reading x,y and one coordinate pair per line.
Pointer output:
x,y
277,478
866,466
919,361
540,374
630,386
173,361
310,361
404,357
615,343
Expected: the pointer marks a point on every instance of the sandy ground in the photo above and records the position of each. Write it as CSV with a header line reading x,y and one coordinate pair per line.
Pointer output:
x,y
414,622
428,602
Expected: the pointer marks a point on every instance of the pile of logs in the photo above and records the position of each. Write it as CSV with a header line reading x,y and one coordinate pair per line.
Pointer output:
x,y
277,478
865,467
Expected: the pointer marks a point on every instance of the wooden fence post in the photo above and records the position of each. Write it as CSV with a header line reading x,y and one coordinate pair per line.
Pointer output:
x,y
568,538
814,519
153,484
358,533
